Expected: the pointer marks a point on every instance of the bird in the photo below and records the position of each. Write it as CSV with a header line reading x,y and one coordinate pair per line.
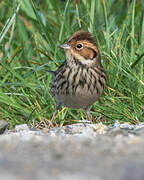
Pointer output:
x,y
80,80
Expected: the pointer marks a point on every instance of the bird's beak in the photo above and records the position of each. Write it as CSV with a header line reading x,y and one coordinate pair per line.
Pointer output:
x,y
64,46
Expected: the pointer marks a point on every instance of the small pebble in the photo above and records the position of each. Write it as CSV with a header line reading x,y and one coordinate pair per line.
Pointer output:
x,y
3,126
21,127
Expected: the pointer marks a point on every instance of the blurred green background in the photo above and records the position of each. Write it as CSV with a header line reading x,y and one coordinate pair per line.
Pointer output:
x,y
30,31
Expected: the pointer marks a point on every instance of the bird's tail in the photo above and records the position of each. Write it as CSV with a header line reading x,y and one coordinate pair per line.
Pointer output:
x,y
51,72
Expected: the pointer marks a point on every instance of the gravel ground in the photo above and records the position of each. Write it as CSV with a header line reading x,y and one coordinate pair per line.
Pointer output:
x,y
74,152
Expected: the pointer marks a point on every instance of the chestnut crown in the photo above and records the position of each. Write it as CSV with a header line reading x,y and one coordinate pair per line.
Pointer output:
x,y
82,47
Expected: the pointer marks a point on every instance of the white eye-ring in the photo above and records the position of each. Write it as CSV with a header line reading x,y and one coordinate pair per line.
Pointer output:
x,y
79,46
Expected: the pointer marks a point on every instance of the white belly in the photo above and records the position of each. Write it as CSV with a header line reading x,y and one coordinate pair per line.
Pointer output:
x,y
76,101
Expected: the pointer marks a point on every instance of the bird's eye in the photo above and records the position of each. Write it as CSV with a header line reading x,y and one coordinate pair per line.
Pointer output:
x,y
79,46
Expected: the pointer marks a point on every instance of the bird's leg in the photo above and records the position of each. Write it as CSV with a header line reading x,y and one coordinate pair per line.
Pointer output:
x,y
88,114
54,113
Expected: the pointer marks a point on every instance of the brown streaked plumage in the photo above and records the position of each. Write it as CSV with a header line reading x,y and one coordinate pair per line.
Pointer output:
x,y
81,79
